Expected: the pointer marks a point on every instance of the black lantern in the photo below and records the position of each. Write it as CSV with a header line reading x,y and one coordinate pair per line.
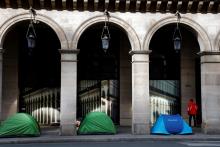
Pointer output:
x,y
105,37
105,42
31,35
177,43
177,38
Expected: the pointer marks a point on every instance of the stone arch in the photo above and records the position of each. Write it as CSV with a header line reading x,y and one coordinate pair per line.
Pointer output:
x,y
217,43
26,16
203,39
132,36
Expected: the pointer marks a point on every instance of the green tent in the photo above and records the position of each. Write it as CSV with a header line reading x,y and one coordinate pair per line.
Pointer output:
x,y
20,124
97,123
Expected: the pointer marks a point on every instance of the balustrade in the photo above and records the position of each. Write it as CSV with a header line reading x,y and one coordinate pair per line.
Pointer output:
x,y
164,95
43,105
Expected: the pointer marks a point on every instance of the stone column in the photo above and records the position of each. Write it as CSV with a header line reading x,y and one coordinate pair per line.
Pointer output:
x,y
210,95
47,108
1,71
140,92
51,107
68,91
56,108
40,108
187,76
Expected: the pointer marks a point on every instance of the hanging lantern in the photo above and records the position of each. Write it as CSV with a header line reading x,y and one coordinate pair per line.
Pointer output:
x,y
177,43
31,35
105,43
105,37
177,38
31,40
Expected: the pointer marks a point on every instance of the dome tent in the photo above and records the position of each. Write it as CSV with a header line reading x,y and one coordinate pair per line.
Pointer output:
x,y
97,123
20,124
171,124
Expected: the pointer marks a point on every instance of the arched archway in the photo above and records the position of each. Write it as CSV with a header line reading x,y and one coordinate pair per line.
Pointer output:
x,y
30,75
26,16
175,76
217,43
202,37
104,78
132,36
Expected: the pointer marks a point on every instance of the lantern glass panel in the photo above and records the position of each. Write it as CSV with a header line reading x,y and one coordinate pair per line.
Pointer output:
x,y
31,41
177,43
105,43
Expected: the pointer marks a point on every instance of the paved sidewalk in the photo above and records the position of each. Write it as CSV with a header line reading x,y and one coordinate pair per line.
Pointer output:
x,y
105,138
52,136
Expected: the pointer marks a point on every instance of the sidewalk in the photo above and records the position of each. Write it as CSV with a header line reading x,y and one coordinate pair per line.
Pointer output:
x,y
52,136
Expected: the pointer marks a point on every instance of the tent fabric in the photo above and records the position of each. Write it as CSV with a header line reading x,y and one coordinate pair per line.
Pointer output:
x,y
20,124
186,129
97,123
171,124
159,127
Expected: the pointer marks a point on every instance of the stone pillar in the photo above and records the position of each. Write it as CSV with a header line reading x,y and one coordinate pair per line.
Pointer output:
x,y
43,110
210,95
47,108
39,107
51,107
1,60
187,75
140,92
125,83
56,108
68,91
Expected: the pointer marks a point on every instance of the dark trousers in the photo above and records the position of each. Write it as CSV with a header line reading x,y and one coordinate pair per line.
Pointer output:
x,y
194,120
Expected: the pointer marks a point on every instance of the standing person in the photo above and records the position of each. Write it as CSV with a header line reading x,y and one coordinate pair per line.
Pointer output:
x,y
192,111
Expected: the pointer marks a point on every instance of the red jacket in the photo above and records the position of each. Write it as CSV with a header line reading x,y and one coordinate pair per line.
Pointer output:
x,y
192,108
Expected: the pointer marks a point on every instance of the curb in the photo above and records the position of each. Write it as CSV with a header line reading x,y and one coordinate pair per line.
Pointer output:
x,y
91,138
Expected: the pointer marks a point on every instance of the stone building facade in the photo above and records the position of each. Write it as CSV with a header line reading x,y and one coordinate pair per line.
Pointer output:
x,y
138,22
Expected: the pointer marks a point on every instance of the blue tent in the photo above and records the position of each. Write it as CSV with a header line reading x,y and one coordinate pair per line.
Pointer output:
x,y
171,124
